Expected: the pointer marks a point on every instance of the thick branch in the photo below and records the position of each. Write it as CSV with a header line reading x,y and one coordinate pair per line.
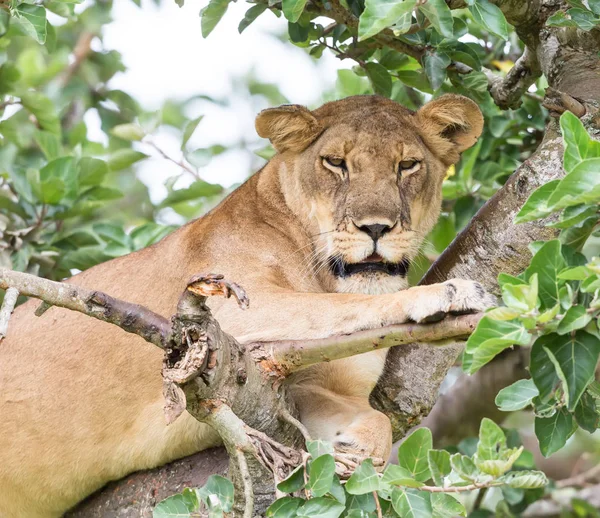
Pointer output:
x,y
508,91
132,318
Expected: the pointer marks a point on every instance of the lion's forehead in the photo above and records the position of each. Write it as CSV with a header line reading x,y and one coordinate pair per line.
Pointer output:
x,y
352,142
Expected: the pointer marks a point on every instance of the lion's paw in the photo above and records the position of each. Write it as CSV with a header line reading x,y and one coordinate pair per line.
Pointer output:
x,y
368,436
456,297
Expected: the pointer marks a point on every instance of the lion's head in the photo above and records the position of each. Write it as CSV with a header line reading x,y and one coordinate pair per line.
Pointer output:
x,y
364,174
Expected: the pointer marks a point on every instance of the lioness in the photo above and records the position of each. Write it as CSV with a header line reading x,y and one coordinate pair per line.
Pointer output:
x,y
321,239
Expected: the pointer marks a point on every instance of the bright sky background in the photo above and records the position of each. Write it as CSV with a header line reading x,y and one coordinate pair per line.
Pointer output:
x,y
166,57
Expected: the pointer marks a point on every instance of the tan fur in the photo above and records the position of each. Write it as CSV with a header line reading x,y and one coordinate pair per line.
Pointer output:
x,y
81,401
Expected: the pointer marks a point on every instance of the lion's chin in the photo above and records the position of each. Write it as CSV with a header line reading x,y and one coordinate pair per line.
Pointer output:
x,y
371,283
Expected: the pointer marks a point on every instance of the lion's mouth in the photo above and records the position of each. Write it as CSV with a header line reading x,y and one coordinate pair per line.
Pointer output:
x,y
373,263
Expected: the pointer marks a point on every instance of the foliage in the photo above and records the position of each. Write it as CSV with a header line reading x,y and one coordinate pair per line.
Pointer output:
x,y
425,483
69,201
555,303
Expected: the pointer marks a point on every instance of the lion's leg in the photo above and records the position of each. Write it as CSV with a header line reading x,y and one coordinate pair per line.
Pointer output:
x,y
277,314
333,401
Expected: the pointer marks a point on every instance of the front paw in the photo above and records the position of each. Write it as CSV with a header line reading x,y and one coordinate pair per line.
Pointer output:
x,y
456,296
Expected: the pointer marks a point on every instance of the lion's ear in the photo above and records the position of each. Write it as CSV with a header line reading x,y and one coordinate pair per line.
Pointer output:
x,y
450,124
288,127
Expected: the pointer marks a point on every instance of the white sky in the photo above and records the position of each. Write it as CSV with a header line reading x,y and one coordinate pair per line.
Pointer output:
x,y
166,57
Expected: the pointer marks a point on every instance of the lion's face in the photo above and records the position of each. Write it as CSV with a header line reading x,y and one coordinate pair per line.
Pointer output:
x,y
365,174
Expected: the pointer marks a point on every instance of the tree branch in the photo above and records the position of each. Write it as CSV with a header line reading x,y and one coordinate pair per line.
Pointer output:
x,y
8,306
293,355
132,318
508,91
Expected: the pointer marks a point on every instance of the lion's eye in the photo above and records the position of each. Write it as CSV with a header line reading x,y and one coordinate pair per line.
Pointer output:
x,y
335,162
408,166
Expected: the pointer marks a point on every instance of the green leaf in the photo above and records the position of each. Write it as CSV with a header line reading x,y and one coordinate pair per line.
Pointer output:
x,y
578,273
58,178
177,506
251,14
129,131
284,507
446,506
581,185
517,396
412,454
491,440
525,479
91,171
576,358
211,15
579,145
321,471
379,14
321,507
149,233
553,432
435,65
547,263
439,465
189,129
43,110
364,479
536,206
542,371
522,297
217,493
49,144
395,475
440,16
412,503
293,482
123,158
587,413
380,78
319,447
292,9
490,338
464,467
576,317
576,236
574,215
337,490
490,17
32,19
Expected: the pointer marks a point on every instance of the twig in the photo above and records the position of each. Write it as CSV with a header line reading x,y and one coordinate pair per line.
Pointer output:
x,y
82,50
579,480
457,489
247,483
132,318
377,504
185,166
286,416
8,306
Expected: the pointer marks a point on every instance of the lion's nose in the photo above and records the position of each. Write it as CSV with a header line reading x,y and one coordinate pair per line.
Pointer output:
x,y
376,230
